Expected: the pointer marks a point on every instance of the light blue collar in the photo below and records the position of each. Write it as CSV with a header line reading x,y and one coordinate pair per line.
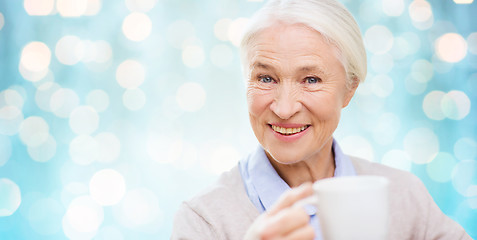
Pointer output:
x,y
263,184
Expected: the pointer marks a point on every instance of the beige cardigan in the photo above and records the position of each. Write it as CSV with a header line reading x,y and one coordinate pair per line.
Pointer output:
x,y
224,211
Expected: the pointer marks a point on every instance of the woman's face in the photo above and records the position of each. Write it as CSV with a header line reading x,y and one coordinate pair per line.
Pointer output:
x,y
296,90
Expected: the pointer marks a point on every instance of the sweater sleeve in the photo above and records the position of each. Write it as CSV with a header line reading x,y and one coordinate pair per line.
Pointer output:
x,y
188,224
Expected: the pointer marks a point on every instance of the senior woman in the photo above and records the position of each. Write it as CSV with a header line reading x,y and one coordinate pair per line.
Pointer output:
x,y
303,60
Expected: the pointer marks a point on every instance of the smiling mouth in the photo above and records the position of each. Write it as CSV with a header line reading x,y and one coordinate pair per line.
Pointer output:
x,y
289,131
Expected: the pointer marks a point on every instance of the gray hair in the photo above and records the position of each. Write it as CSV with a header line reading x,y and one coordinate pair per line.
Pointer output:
x,y
328,17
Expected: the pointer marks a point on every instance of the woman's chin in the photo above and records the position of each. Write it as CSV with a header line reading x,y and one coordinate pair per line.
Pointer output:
x,y
284,157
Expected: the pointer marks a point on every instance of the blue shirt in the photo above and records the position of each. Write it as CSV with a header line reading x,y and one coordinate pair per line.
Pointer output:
x,y
264,186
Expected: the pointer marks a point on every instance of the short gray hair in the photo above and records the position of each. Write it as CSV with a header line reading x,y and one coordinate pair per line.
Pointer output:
x,y
328,17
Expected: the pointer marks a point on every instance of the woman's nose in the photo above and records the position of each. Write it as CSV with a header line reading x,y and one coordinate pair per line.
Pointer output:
x,y
285,103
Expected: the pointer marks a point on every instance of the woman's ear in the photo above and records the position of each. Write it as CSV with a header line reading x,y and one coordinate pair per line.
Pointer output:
x,y
350,90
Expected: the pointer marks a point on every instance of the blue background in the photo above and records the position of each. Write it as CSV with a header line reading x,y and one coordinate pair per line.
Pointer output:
x,y
165,136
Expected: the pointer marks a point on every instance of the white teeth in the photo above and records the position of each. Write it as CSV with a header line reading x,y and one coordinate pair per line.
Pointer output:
x,y
288,131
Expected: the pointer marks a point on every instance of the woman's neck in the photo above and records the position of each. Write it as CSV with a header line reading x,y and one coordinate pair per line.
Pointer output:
x,y
320,165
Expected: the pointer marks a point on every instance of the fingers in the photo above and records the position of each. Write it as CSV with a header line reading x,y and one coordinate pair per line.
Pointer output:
x,y
290,197
286,221
306,232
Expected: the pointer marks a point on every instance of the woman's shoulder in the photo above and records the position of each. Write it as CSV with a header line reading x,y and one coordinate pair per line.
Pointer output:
x,y
210,210
365,167
406,190
229,186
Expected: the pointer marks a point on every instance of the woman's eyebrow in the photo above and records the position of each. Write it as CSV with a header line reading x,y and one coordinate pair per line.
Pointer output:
x,y
310,69
260,65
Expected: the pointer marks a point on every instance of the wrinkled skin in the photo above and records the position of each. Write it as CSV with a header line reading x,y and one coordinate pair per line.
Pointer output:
x,y
296,82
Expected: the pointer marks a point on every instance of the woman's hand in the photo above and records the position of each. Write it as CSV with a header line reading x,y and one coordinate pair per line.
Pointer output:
x,y
283,220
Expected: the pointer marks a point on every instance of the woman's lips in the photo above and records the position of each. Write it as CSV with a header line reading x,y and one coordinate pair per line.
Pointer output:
x,y
291,129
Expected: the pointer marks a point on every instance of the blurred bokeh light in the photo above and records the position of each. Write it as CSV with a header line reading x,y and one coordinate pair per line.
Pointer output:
x,y
113,112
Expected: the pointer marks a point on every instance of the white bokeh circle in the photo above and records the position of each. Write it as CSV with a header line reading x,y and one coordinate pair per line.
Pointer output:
x,y
191,96
422,70
34,131
83,217
35,57
69,50
10,119
393,8
107,187
63,102
179,32
421,144
98,99
440,168
130,74
236,29
134,99
451,47
93,7
84,150
139,207
43,152
431,105
10,97
38,7
164,149
5,149
84,120
382,85
221,29
464,176
140,5
11,197
378,39
221,159
137,26
43,95
71,8
472,43
455,105
420,11
104,52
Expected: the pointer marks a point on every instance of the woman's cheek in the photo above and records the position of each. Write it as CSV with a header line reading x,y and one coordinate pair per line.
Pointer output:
x,y
322,105
257,100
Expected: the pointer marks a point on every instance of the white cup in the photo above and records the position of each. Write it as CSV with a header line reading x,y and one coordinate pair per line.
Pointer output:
x,y
354,207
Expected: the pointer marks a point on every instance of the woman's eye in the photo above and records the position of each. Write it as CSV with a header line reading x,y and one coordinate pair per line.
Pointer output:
x,y
312,80
265,79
